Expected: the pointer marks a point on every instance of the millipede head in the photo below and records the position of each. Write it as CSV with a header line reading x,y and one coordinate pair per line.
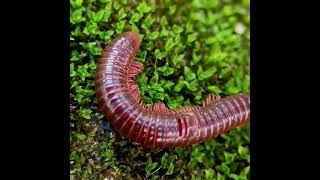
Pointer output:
x,y
134,37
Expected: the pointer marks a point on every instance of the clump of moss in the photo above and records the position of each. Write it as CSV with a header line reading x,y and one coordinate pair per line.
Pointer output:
x,y
189,49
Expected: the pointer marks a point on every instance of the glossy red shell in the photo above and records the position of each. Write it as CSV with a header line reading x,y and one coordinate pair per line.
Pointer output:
x,y
158,126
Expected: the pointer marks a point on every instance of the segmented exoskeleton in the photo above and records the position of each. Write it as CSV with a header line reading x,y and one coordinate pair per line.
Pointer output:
x,y
158,126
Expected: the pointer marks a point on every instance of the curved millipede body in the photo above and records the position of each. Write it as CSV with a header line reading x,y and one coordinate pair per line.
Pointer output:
x,y
158,126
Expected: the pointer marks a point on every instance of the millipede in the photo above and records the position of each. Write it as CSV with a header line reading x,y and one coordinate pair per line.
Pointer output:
x,y
156,125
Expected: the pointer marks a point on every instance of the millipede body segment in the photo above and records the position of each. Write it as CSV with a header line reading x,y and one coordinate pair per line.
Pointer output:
x,y
158,126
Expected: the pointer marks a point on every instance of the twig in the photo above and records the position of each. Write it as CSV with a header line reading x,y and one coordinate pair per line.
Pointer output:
x,y
152,172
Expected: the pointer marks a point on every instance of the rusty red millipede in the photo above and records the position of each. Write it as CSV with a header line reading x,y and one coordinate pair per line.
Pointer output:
x,y
158,126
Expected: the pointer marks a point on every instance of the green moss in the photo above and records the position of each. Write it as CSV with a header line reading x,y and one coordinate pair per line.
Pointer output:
x,y
189,49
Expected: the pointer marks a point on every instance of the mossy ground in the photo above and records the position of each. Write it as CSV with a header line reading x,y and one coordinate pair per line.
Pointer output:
x,y
189,49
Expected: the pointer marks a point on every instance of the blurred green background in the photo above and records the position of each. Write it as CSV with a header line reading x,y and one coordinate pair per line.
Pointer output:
x,y
189,49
